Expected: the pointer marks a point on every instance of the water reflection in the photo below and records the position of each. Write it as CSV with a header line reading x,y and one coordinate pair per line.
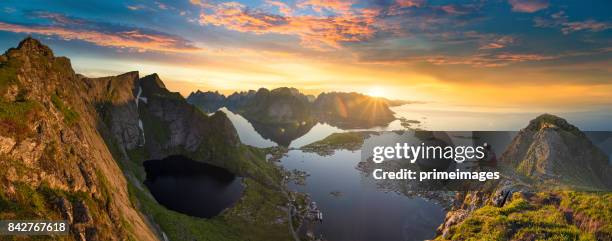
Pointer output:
x,y
290,135
247,133
357,208
282,134
354,207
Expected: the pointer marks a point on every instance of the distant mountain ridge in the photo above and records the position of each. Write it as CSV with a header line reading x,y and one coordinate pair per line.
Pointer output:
x,y
285,105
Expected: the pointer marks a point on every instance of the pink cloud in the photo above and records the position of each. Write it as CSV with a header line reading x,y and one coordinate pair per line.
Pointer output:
x,y
59,18
528,6
132,39
338,6
561,21
410,3
318,32
499,43
588,25
489,60
161,6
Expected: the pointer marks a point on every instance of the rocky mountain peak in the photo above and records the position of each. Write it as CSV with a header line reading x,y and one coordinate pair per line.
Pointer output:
x,y
51,135
152,84
33,47
287,91
549,121
131,74
552,149
114,89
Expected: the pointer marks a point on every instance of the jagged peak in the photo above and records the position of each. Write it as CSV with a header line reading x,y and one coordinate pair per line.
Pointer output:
x,y
263,90
153,81
287,90
34,47
200,94
193,93
546,121
134,74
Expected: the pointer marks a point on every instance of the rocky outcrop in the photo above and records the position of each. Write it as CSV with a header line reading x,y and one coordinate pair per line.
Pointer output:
x,y
147,121
552,159
54,164
550,149
171,126
115,97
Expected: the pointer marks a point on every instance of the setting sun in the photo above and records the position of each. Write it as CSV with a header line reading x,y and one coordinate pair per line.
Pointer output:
x,y
376,92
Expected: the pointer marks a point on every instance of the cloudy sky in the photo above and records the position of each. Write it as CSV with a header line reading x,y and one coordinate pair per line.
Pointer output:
x,y
512,54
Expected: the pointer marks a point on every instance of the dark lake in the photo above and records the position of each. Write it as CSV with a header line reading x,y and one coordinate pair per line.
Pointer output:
x,y
191,187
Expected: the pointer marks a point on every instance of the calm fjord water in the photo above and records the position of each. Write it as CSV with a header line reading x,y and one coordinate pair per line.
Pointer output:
x,y
353,207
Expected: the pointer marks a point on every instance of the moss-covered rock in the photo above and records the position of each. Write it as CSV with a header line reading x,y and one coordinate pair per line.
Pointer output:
x,y
540,216
53,162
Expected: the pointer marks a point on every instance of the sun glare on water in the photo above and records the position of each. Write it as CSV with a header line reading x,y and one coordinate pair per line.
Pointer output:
x,y
376,92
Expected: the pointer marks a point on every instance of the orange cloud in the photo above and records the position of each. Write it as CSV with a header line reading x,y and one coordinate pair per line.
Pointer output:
x,y
133,39
338,6
410,3
314,31
489,60
499,43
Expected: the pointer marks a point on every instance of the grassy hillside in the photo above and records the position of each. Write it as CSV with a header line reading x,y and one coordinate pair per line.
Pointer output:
x,y
542,216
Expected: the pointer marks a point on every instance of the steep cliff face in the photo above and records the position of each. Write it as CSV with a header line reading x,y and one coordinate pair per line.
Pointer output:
x,y
54,164
114,99
172,125
147,121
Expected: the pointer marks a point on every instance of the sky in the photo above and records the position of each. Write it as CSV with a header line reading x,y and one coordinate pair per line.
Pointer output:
x,y
508,55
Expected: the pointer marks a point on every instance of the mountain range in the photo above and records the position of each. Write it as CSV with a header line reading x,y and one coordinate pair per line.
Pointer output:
x,y
72,148
289,106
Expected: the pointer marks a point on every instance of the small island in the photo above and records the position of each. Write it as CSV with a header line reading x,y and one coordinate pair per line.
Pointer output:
x,y
351,141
